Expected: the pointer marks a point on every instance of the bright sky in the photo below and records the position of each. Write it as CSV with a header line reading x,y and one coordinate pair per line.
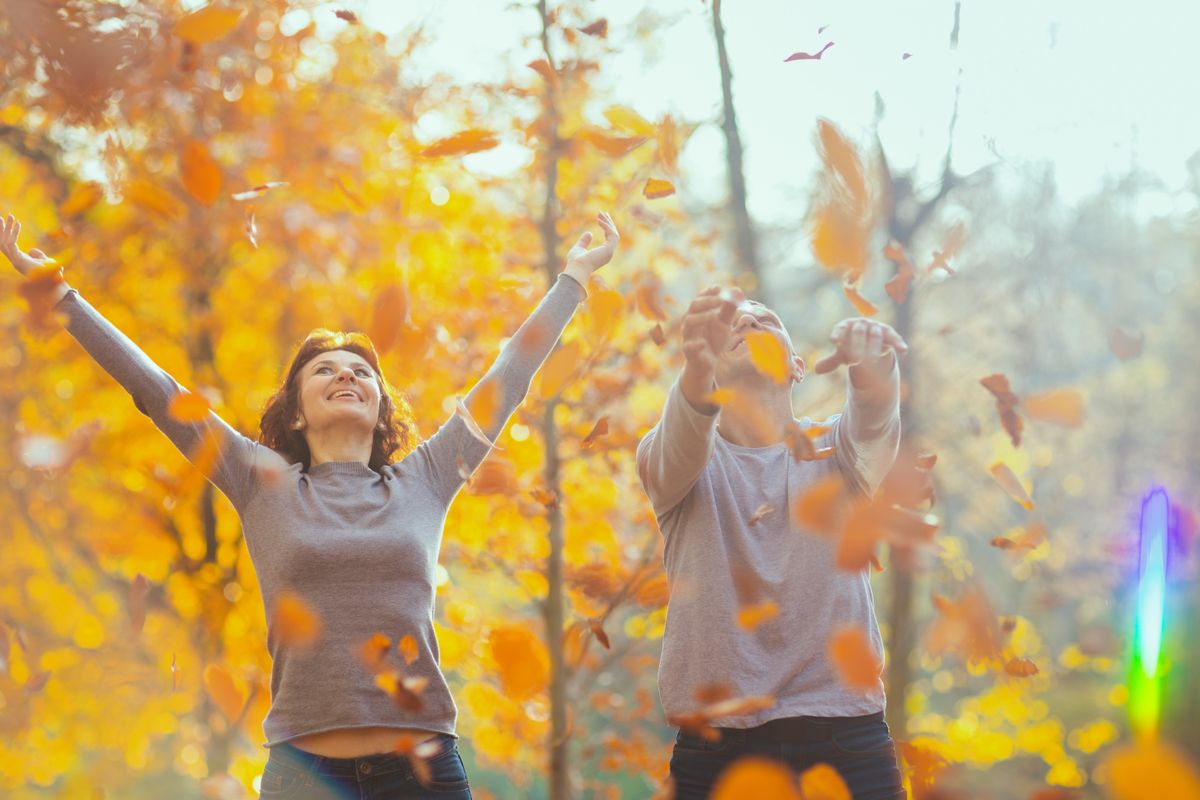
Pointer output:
x,y
1092,87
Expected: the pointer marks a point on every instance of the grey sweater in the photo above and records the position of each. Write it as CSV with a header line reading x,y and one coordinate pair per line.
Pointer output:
x,y
705,490
359,547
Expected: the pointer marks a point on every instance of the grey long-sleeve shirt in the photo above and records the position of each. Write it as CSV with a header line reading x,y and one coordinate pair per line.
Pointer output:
x,y
359,547
705,490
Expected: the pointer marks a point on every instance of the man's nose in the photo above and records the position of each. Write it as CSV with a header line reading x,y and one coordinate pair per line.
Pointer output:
x,y
746,320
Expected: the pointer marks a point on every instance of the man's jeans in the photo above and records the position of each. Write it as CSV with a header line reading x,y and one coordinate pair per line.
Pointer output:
x,y
859,748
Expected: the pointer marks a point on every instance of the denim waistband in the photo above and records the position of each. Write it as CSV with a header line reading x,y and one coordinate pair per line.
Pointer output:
x,y
797,729
374,764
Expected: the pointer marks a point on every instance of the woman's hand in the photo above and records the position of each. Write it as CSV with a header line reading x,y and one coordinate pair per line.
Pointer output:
x,y
582,262
24,262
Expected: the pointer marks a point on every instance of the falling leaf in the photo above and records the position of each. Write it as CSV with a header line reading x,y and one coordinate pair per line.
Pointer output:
x,y
599,28
629,120
864,306
200,172
905,56
759,513
495,476
408,648
374,652
756,777
542,67
823,782
153,198
547,499
1126,343
404,689
900,283
521,659
1011,484
612,145
843,159
559,367
389,315
1020,667
82,197
656,188
668,145
967,627
801,443
769,355
751,616
41,287
221,688
258,191
208,24
657,336
138,589
349,195
174,674
189,407
348,16
808,56
473,428
855,661
841,217
295,622
472,140
1006,403
37,681
418,748
597,630
598,430
950,248
1151,770
1059,406
251,227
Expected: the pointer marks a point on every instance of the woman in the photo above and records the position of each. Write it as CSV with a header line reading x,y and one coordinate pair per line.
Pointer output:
x,y
335,529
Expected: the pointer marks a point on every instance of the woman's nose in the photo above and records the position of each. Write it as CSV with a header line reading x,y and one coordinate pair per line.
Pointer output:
x,y
346,374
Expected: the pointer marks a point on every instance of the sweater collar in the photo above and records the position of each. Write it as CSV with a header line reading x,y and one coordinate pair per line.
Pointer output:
x,y
342,468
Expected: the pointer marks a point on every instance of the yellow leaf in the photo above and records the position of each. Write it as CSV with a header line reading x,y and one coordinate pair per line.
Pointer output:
x,y
864,306
612,145
295,621
769,355
1011,484
221,688
822,782
627,119
200,173
82,197
208,24
521,661
656,188
668,143
854,659
408,648
153,197
1059,406
188,407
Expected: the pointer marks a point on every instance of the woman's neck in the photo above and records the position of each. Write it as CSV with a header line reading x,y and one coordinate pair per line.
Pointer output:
x,y
323,447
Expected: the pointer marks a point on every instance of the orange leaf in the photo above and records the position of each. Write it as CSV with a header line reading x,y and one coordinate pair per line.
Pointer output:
x,y
1126,343
756,777
769,355
542,67
200,172
153,198
843,159
852,656
1059,406
494,476
408,648
598,430
967,627
389,315
822,508
189,407
760,512
81,198
472,140
521,660
1011,484
864,306
598,28
40,288
473,427
657,336
1006,403
1151,770
559,367
598,631
348,16
612,145
374,652
950,248
750,617
138,590
656,188
295,621
823,782
809,56
208,24
221,688
647,299
258,191
668,145
1020,667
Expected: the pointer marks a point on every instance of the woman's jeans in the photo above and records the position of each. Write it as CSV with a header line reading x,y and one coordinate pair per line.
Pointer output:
x,y
294,774
859,748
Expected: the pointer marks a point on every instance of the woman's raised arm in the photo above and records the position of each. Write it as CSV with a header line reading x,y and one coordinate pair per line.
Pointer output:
x,y
453,451
229,458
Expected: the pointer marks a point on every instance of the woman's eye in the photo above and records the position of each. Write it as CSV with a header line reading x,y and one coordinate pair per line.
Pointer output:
x,y
362,373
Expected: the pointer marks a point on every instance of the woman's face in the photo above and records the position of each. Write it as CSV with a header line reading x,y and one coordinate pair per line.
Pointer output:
x,y
338,388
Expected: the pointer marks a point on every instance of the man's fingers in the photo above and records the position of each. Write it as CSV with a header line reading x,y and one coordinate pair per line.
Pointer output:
x,y
829,363
874,342
895,341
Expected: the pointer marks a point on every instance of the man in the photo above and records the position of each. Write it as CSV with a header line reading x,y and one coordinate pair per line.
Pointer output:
x,y
722,479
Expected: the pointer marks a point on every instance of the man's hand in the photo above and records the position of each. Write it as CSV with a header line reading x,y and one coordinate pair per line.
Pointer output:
x,y
24,262
707,328
582,262
862,341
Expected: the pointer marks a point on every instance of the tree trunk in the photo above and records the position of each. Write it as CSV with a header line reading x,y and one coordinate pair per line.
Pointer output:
x,y
743,229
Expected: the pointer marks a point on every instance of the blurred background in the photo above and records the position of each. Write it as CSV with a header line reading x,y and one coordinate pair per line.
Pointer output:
x,y
1015,188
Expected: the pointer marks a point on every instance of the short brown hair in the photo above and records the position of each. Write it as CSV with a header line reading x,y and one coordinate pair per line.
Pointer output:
x,y
395,428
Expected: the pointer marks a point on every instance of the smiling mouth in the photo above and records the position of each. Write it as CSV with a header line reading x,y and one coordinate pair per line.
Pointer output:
x,y
343,394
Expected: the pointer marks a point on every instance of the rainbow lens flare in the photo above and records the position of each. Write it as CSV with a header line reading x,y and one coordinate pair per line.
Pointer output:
x,y
1145,678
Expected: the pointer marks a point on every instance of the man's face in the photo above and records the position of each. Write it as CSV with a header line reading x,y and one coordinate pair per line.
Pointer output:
x,y
734,364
